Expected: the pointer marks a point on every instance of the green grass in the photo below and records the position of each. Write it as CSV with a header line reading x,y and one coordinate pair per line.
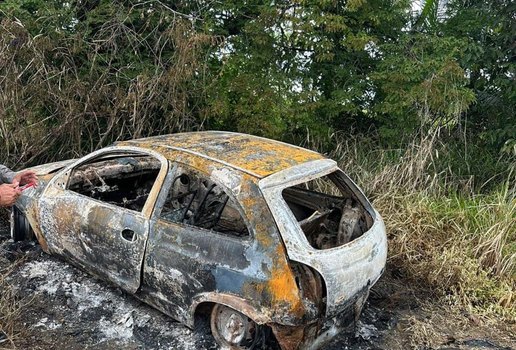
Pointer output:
x,y
449,235
460,248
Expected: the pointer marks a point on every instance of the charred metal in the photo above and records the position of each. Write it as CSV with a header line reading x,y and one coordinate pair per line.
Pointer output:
x,y
254,232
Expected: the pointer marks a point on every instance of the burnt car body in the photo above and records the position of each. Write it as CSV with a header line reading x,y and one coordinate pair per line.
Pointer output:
x,y
255,232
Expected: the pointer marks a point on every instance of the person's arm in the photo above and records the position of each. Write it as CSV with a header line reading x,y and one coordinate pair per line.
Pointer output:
x,y
6,175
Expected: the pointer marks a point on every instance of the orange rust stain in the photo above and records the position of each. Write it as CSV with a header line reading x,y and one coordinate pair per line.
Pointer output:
x,y
256,211
263,236
254,206
64,223
253,154
282,285
201,164
32,216
46,178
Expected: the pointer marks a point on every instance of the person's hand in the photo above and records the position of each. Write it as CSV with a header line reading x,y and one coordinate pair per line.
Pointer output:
x,y
26,177
9,193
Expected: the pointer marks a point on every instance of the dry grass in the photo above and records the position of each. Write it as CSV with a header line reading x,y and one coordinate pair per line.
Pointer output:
x,y
11,307
443,237
66,95
440,244
434,327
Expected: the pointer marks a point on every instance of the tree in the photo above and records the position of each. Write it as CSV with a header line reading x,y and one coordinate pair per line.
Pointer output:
x,y
299,66
489,29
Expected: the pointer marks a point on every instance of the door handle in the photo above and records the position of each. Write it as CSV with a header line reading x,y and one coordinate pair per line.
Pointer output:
x,y
129,235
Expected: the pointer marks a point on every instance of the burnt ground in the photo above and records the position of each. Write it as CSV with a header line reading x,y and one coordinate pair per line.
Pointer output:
x,y
61,307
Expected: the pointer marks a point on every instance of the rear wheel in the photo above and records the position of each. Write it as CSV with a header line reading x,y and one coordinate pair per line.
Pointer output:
x,y
20,226
233,330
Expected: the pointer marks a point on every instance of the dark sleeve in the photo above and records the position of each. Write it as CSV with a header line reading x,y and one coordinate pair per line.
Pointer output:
x,y
6,174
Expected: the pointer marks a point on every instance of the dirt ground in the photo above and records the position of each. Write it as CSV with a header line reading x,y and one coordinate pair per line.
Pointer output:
x,y
60,307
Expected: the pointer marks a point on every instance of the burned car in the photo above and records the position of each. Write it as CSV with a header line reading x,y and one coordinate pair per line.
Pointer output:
x,y
256,234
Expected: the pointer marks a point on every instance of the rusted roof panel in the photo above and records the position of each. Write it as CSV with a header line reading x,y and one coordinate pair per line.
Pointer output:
x,y
255,155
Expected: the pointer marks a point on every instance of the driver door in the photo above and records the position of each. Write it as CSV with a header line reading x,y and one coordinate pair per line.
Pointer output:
x,y
96,228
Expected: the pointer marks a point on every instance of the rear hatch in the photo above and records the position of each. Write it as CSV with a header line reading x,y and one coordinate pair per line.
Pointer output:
x,y
327,223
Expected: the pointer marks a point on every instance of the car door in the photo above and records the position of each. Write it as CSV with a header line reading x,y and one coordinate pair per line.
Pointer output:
x,y
92,227
199,243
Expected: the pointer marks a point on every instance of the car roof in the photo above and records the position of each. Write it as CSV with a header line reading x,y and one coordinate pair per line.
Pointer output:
x,y
253,155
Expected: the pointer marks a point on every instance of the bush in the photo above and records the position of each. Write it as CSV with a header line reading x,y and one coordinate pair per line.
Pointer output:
x,y
445,237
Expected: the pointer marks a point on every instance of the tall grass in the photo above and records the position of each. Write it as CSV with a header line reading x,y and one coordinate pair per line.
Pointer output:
x,y
64,94
11,306
445,235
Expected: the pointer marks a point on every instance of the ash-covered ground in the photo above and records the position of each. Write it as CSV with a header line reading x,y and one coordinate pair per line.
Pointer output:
x,y
61,307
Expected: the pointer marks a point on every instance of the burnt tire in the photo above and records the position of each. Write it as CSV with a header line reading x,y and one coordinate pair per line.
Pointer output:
x,y
234,330
20,226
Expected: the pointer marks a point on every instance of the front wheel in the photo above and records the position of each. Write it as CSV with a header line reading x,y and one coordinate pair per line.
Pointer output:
x,y
233,330
20,226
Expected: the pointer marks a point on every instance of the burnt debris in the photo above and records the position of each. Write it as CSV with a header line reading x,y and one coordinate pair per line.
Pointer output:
x,y
328,215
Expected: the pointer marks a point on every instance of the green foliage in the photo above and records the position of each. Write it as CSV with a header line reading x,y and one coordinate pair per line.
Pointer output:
x,y
80,75
488,28
421,84
429,14
307,62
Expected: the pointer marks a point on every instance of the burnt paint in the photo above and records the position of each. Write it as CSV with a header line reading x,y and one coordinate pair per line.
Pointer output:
x,y
183,263
182,267
91,235
254,155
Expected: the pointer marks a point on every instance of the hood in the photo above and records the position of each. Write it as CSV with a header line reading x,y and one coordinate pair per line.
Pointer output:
x,y
45,173
48,168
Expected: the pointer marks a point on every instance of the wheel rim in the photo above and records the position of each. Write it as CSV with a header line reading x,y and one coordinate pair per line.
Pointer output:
x,y
232,329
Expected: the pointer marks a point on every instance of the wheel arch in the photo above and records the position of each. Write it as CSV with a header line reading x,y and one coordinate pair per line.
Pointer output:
x,y
29,213
232,301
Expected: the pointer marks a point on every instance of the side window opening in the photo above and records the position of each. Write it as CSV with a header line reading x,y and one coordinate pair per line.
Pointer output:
x,y
197,201
124,180
327,212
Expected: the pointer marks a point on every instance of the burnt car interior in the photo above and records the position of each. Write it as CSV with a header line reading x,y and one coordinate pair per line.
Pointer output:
x,y
122,180
327,212
195,200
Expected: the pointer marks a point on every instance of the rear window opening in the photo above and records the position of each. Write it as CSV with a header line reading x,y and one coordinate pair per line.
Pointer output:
x,y
329,213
